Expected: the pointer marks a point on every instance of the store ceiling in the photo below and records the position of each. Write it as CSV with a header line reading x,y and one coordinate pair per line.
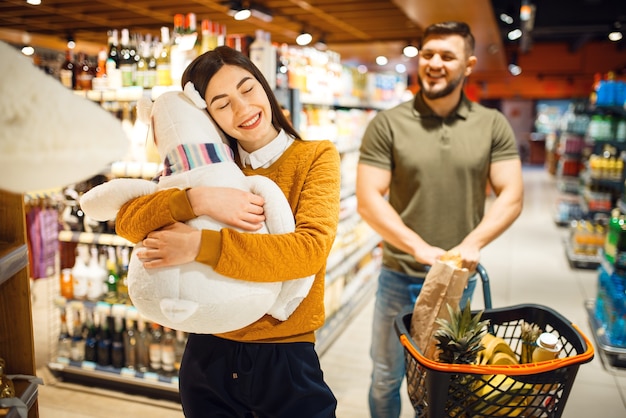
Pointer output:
x,y
358,29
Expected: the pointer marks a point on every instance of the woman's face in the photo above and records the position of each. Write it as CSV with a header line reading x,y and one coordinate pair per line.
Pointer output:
x,y
239,105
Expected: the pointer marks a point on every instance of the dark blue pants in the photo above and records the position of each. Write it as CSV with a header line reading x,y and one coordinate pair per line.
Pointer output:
x,y
223,378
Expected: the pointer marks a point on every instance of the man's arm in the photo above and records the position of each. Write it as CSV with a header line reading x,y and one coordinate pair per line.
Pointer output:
x,y
505,178
372,185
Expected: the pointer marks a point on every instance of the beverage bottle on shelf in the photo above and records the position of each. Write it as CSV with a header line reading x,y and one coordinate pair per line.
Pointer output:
x,y
97,275
130,344
143,346
612,235
127,60
64,345
191,32
80,272
155,347
117,343
112,279
104,341
146,66
122,284
168,352
113,55
77,351
67,284
163,61
66,73
209,41
91,342
178,49
221,34
84,73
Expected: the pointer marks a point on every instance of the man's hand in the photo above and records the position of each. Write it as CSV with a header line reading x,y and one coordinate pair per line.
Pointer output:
x,y
173,245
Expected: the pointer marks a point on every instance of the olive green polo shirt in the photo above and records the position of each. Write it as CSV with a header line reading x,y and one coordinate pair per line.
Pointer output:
x,y
439,168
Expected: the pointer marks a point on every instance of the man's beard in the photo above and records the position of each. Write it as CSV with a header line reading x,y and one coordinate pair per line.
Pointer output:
x,y
437,94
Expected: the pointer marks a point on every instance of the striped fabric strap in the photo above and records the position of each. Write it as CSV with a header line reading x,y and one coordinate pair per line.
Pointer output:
x,y
188,156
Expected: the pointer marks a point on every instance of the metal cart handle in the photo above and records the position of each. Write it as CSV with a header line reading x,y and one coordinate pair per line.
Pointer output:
x,y
484,278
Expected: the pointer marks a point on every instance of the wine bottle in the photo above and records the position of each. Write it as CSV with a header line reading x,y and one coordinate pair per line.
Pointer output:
x,y
84,72
168,352
66,73
163,62
130,344
127,60
64,344
155,347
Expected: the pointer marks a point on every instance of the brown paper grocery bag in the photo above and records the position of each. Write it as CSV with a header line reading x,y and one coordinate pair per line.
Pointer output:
x,y
444,284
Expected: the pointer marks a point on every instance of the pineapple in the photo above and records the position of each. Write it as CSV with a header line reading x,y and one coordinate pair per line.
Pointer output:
x,y
459,341
459,338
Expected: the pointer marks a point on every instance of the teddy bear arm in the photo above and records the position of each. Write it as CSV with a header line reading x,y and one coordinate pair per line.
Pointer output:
x,y
104,201
278,216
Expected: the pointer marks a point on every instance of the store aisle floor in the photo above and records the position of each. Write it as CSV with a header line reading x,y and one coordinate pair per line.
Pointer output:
x,y
527,264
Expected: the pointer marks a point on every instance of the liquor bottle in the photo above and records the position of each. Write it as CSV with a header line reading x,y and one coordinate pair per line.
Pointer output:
x,y
130,344
113,278
143,346
104,341
66,72
163,63
191,32
91,342
64,345
97,275
127,60
84,72
122,283
168,352
178,49
155,347
117,343
67,284
207,36
146,66
113,58
80,272
77,351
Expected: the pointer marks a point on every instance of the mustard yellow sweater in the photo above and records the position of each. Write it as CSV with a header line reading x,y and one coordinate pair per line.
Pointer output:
x,y
308,174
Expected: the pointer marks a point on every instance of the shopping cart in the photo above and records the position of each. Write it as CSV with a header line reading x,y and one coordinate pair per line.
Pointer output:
x,y
536,390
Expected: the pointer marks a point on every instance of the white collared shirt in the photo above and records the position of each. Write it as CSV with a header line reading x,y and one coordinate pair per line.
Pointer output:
x,y
266,156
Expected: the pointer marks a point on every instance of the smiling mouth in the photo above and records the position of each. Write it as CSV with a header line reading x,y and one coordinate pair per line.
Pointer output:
x,y
250,122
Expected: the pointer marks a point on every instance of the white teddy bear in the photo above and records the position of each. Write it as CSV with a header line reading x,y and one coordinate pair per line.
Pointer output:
x,y
192,297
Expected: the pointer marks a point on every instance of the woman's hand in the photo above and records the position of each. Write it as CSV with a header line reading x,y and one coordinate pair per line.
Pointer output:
x,y
233,207
173,245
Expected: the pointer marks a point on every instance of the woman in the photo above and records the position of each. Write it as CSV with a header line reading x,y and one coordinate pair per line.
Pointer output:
x,y
269,368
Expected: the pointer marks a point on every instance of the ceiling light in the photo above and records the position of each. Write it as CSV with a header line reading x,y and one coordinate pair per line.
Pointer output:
x,y
304,38
381,60
242,14
321,43
506,18
410,51
401,68
34,2
515,69
28,50
615,36
514,34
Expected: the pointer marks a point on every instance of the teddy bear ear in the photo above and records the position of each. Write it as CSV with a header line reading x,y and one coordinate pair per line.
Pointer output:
x,y
144,109
193,95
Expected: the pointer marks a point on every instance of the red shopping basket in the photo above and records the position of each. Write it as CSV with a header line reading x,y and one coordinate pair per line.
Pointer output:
x,y
535,390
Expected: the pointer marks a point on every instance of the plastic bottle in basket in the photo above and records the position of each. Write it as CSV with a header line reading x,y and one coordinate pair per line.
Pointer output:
x,y
548,347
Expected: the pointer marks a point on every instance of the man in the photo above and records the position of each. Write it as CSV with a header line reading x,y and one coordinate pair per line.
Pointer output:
x,y
422,178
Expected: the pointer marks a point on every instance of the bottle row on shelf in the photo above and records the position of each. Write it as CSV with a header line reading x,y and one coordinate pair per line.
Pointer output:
x,y
116,336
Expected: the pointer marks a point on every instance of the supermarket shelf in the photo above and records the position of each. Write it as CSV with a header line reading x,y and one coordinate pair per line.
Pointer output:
x,y
613,358
93,238
148,383
580,261
354,297
340,264
13,258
